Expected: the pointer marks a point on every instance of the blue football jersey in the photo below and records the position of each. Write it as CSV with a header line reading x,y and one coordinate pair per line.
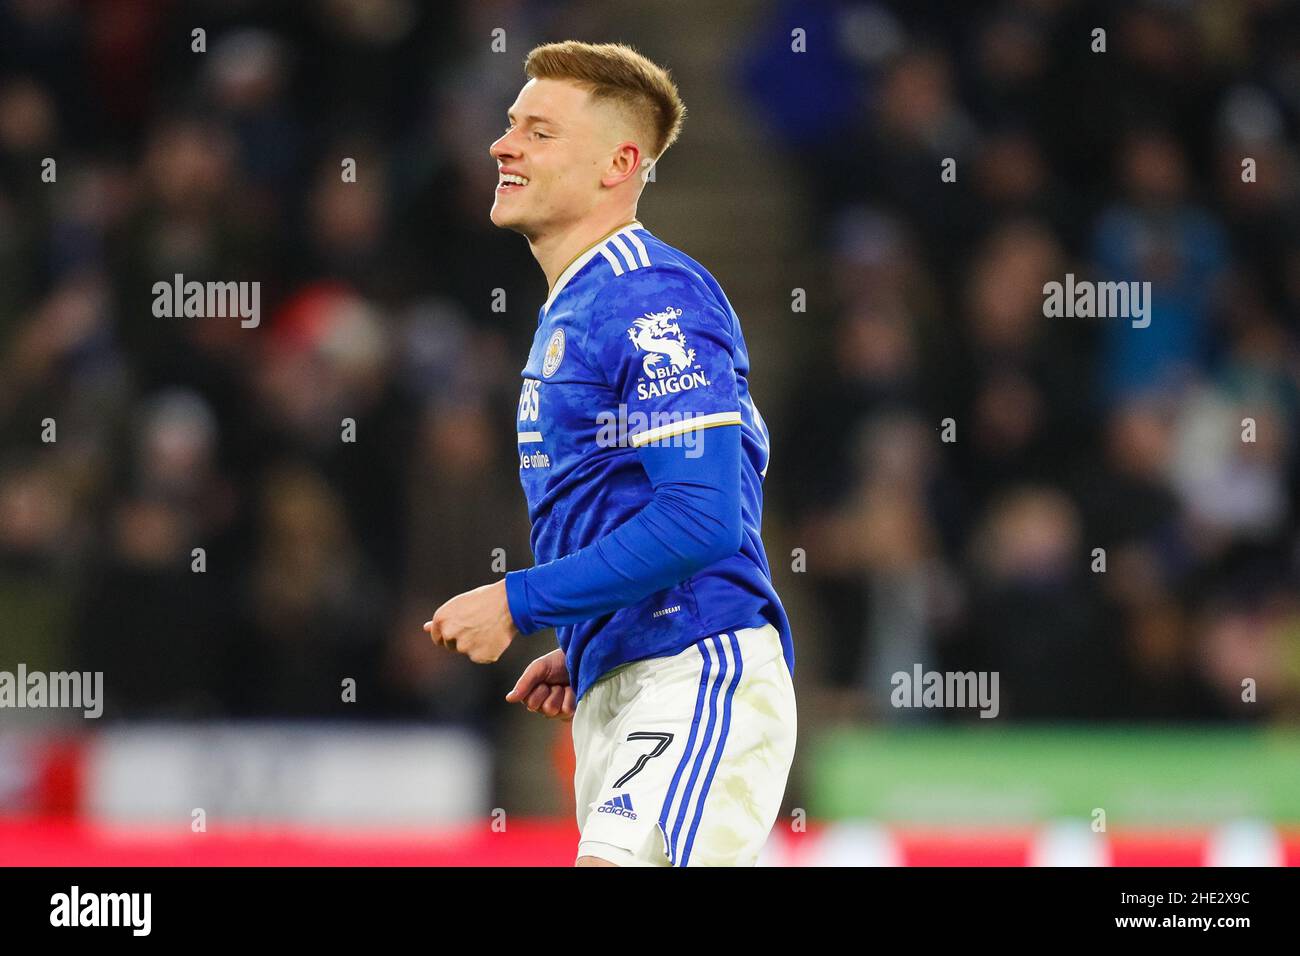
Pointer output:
x,y
637,344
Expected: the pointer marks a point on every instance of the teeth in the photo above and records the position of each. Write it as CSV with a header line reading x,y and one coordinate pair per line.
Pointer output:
x,y
513,179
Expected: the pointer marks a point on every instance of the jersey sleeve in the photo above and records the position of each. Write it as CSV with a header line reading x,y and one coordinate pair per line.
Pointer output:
x,y
692,520
666,348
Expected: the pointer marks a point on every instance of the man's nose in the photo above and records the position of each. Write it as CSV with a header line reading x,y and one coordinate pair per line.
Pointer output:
x,y
502,148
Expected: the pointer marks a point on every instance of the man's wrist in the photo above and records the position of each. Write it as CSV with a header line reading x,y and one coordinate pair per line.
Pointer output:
x,y
517,600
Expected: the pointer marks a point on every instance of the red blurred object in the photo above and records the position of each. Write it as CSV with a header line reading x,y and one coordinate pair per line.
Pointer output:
x,y
59,780
304,319
43,841
39,841
964,848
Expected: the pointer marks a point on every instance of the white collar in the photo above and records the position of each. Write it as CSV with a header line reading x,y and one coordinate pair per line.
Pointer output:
x,y
583,258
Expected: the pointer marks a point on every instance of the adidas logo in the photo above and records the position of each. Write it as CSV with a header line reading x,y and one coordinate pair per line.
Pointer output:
x,y
619,806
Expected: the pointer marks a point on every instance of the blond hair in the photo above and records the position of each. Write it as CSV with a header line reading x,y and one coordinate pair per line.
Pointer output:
x,y
617,73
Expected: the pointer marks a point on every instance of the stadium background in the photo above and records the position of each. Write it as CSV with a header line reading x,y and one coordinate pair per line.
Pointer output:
x,y
877,301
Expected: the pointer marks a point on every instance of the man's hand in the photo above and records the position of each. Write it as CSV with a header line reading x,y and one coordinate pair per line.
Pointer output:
x,y
477,623
544,686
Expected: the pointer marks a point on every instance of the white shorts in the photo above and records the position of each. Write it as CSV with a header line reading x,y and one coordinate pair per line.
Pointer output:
x,y
683,760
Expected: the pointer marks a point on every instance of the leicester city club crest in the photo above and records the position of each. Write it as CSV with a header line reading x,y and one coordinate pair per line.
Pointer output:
x,y
554,354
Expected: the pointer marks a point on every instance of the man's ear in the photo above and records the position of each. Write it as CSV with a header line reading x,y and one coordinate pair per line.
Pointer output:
x,y
623,164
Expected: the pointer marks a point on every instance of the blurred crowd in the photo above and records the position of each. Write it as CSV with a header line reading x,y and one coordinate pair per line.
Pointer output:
x,y
1100,523
179,506
342,465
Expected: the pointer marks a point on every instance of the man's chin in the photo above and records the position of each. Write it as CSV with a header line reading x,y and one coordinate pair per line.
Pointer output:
x,y
504,220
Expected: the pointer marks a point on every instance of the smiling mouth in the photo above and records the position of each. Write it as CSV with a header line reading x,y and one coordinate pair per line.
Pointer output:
x,y
509,182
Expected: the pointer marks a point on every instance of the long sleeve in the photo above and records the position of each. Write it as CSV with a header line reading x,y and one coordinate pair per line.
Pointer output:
x,y
692,521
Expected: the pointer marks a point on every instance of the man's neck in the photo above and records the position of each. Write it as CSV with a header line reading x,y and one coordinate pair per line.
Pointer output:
x,y
557,251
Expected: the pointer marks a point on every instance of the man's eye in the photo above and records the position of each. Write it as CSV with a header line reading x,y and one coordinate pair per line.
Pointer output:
x,y
541,135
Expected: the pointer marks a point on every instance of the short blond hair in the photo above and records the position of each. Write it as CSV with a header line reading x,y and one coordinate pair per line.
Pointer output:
x,y
615,72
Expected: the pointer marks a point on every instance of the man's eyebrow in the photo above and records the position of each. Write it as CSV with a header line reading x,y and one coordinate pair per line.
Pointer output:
x,y
532,118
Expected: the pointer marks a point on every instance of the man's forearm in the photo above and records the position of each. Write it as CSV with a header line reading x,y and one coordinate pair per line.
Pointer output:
x,y
693,521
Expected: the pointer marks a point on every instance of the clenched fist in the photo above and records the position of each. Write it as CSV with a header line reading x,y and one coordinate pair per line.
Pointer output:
x,y
477,623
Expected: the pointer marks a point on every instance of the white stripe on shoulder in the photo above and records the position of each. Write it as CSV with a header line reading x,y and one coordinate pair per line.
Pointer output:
x,y
613,262
640,247
627,253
